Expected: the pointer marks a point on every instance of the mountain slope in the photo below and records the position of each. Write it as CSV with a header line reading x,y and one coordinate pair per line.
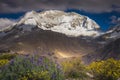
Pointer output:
x,y
110,46
46,42
58,32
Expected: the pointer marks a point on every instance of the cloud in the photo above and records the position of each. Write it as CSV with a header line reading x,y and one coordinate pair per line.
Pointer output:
x,y
115,19
94,6
4,22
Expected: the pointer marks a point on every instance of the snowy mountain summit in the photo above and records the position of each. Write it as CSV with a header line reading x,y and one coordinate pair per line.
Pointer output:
x,y
70,24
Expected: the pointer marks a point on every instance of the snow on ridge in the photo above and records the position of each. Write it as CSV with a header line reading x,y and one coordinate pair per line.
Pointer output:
x,y
114,32
70,24
4,23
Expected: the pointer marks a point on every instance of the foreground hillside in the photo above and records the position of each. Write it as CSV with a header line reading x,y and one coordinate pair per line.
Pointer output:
x,y
34,67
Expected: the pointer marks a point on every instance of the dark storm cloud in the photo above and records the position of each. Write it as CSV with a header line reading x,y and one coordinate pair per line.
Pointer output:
x,y
94,6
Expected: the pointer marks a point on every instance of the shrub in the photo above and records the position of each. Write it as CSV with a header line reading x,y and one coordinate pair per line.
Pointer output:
x,y
31,68
7,56
44,75
74,69
105,70
3,62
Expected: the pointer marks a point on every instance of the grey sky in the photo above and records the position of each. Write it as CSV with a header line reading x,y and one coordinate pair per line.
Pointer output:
x,y
94,6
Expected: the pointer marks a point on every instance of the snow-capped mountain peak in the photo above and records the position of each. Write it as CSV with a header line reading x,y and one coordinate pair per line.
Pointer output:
x,y
70,24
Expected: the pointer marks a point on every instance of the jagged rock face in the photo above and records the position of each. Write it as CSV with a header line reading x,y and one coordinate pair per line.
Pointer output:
x,y
115,32
111,34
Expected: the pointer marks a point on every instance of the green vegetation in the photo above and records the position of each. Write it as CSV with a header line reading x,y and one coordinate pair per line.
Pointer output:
x,y
74,69
7,56
31,68
105,70
33,75
3,62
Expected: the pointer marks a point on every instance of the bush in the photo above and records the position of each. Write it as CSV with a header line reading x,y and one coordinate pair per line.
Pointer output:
x,y
7,56
105,70
31,68
3,62
74,69
44,75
